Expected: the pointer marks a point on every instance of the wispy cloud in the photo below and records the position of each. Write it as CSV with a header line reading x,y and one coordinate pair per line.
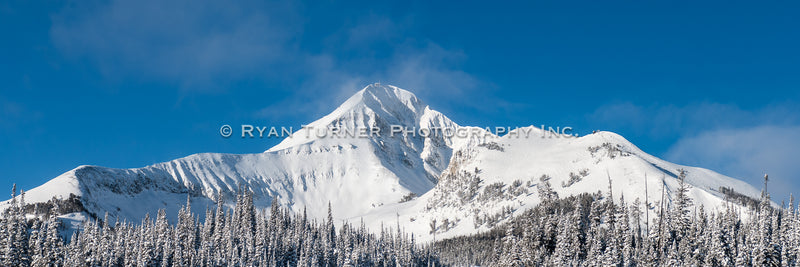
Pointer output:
x,y
206,45
195,44
747,154
738,142
426,68
432,71
664,121
9,113
15,115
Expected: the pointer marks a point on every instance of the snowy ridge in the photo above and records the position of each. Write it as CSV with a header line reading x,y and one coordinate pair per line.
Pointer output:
x,y
471,182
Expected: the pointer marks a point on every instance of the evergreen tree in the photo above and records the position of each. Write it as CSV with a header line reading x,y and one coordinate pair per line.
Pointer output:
x,y
511,253
764,252
569,242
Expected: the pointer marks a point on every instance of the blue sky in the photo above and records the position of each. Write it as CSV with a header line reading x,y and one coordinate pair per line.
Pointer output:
x,y
126,83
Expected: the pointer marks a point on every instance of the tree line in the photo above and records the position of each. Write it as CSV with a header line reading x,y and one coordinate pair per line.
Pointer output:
x,y
599,230
581,230
239,236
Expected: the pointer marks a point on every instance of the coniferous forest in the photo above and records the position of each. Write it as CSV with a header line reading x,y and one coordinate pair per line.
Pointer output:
x,y
582,230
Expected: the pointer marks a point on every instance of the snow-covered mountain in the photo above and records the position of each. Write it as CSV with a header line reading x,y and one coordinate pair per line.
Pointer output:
x,y
304,171
471,181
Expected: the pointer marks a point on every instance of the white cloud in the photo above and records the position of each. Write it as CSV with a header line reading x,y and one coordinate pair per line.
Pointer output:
x,y
747,153
430,72
424,67
659,121
207,45
15,116
738,142
191,43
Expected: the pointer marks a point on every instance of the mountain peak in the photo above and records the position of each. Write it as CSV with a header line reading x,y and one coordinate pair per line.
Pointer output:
x,y
382,98
386,94
376,105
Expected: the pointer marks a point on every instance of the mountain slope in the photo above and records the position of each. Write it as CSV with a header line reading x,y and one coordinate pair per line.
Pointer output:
x,y
484,185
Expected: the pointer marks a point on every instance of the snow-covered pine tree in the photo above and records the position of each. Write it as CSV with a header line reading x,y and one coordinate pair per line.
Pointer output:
x,y
788,256
163,240
628,245
681,213
329,240
15,250
595,241
207,239
185,242
146,244
36,242
53,245
219,257
510,253
791,255
765,252
569,242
